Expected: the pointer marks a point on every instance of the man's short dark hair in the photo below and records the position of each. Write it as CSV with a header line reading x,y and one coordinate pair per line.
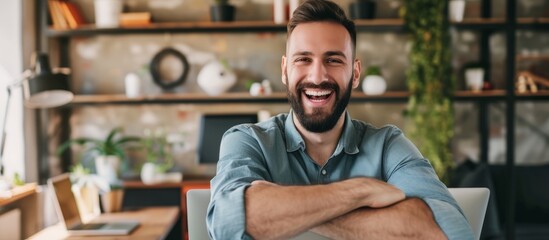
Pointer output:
x,y
319,11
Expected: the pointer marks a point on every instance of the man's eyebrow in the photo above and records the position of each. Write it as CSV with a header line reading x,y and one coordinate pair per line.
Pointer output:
x,y
326,54
302,53
334,53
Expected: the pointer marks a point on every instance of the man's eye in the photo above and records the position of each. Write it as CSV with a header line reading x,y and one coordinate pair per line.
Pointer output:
x,y
302,59
333,60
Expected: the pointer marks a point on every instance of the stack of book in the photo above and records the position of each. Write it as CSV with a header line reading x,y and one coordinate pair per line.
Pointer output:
x,y
65,14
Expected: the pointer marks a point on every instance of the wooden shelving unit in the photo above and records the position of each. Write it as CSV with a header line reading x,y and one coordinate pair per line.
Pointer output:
x,y
209,27
280,97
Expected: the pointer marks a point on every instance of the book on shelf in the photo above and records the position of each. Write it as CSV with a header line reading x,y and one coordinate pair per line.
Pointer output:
x,y
56,15
135,19
65,14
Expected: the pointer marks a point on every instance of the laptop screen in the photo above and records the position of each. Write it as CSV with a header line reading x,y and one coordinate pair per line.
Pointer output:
x,y
65,201
212,128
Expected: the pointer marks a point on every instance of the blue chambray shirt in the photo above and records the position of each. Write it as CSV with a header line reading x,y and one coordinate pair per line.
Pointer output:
x,y
274,151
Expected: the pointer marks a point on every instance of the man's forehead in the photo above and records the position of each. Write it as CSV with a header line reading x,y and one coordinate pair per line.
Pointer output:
x,y
319,38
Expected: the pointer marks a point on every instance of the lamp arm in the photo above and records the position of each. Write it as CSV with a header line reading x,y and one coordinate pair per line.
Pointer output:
x,y
9,88
3,133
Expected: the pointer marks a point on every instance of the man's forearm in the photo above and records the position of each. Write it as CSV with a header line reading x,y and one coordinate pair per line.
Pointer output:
x,y
410,219
274,211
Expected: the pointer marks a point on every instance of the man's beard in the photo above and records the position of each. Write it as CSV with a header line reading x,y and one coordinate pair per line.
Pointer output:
x,y
319,121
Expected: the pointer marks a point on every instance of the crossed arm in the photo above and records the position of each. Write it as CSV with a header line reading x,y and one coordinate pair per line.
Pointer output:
x,y
357,208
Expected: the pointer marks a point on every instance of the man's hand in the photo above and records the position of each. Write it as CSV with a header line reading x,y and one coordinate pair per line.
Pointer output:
x,y
275,211
375,193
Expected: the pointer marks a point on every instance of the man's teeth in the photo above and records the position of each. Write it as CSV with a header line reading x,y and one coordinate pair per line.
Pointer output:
x,y
317,93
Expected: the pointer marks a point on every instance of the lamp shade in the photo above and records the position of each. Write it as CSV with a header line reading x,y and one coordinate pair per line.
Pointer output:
x,y
47,89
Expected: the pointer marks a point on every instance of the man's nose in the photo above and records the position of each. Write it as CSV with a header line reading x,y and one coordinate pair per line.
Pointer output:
x,y
317,73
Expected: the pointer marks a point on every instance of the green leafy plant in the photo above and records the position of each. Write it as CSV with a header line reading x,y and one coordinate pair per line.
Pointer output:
x,y
373,70
430,82
111,145
158,150
221,2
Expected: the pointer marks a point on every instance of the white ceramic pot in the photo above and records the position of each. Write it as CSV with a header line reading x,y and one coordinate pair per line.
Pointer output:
x,y
133,85
214,78
456,8
474,78
107,167
374,85
107,13
150,175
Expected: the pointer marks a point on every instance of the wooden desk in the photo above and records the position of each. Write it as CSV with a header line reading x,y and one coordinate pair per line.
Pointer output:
x,y
155,223
24,198
163,194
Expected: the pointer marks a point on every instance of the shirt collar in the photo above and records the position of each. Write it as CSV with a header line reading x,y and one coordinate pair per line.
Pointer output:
x,y
348,140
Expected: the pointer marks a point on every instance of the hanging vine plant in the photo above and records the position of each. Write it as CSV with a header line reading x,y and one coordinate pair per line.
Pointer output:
x,y
430,82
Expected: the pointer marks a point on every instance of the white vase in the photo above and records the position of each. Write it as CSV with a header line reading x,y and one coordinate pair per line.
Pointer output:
x,y
456,8
107,167
107,13
374,85
132,83
279,11
474,78
215,78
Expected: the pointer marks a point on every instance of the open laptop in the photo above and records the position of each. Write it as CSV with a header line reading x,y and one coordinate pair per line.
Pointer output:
x,y
67,211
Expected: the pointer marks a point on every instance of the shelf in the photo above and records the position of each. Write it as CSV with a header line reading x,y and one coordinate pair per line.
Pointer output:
x,y
237,97
540,95
480,23
483,95
537,57
380,25
533,23
501,23
206,26
278,97
179,98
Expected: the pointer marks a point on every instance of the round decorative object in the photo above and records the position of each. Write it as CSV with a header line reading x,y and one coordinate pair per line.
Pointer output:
x,y
169,68
215,78
374,85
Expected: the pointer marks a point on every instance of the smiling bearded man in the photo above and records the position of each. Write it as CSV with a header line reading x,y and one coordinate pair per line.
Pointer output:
x,y
315,170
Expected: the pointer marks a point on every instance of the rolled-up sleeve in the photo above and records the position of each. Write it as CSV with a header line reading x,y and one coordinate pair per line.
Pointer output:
x,y
410,172
240,163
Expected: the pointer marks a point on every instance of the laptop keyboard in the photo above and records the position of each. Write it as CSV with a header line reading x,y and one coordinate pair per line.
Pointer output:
x,y
89,226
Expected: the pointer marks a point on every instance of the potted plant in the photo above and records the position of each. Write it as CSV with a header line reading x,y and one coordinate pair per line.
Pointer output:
x,y
158,148
430,82
222,11
108,152
373,83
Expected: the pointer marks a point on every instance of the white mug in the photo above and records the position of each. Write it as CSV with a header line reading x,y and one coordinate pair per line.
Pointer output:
x,y
456,8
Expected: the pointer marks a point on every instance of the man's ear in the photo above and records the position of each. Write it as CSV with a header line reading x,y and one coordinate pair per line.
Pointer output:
x,y
357,68
283,70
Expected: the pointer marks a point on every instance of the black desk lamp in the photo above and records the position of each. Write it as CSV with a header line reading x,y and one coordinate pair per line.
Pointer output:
x,y
41,89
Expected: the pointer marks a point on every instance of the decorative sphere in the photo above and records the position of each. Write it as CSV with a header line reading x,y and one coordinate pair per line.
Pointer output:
x,y
214,78
374,85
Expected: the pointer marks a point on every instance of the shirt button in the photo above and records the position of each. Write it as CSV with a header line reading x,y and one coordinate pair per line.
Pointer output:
x,y
323,171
